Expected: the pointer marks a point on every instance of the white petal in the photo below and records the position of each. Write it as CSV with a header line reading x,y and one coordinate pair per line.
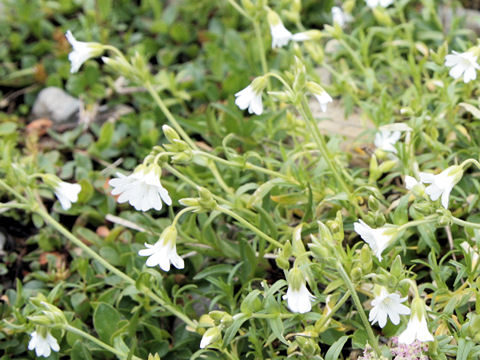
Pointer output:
x,y
410,182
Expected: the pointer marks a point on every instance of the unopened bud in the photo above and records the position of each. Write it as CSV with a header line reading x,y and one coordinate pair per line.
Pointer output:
x,y
373,203
356,274
397,268
170,133
386,166
382,16
211,336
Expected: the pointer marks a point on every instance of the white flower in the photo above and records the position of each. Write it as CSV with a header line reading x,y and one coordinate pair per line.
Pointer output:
x,y
164,251
377,239
387,305
67,193
462,63
280,35
340,17
43,345
385,140
442,184
82,51
323,98
416,329
142,189
410,182
251,99
299,300
382,3
320,94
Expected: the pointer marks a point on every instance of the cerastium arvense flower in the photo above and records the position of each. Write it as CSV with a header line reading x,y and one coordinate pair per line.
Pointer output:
x,y
221,214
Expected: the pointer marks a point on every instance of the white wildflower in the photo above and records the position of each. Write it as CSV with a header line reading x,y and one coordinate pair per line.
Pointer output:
x,y
82,51
377,239
142,189
387,305
385,140
67,193
164,251
462,64
43,343
251,96
442,184
417,329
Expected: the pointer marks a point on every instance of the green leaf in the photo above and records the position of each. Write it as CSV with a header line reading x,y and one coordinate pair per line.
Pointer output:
x,y
106,135
233,329
213,270
105,320
80,351
276,324
334,351
464,349
7,128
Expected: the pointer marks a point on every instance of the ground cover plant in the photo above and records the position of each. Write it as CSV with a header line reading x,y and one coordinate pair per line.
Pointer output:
x,y
192,203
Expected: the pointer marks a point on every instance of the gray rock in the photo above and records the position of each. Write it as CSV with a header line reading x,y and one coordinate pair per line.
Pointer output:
x,y
57,105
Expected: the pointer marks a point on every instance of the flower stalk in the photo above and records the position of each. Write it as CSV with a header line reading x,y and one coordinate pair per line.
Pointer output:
x,y
322,146
100,343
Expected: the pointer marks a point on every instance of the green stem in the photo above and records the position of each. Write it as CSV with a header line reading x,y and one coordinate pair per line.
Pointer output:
x,y
239,9
184,135
185,179
332,312
353,55
358,305
272,316
428,219
468,162
100,343
263,58
250,226
465,223
13,191
169,115
306,113
246,165
57,226
180,213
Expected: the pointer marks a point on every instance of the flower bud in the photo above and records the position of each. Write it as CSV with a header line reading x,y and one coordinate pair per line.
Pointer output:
x,y
206,199
298,247
308,346
206,321
153,357
379,219
397,268
373,203
211,336
170,133
382,16
386,166
366,259
189,202
356,274
282,262
120,66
